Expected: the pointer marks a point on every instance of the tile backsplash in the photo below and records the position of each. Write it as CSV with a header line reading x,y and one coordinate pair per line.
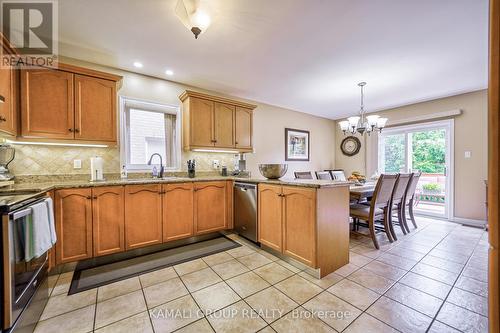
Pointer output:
x,y
58,160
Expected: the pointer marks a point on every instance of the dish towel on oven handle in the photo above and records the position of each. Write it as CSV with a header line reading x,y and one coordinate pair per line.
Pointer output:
x,y
41,230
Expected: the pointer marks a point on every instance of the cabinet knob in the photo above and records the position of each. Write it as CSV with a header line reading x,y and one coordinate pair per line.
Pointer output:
x,y
70,129
3,118
95,197
77,130
89,197
236,143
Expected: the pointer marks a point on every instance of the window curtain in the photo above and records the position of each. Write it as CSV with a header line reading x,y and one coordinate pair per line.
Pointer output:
x,y
170,139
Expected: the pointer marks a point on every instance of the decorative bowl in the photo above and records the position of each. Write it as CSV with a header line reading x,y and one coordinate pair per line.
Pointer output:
x,y
273,171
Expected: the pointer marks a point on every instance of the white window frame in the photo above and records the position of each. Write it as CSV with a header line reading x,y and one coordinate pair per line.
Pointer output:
x,y
127,103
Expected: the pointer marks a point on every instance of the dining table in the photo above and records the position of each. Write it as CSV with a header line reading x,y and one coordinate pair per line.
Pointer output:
x,y
360,192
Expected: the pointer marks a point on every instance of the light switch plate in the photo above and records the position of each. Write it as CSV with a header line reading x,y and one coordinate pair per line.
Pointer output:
x,y
77,164
468,154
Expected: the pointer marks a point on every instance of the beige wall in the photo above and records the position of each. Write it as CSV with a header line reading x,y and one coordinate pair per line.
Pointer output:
x,y
269,125
470,135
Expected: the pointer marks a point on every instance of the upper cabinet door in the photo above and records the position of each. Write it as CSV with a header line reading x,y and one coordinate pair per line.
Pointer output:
x,y
201,122
223,125
243,128
95,109
47,104
8,115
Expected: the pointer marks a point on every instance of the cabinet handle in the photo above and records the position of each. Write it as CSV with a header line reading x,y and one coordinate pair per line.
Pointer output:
x,y
3,118
95,197
236,142
89,197
70,129
77,130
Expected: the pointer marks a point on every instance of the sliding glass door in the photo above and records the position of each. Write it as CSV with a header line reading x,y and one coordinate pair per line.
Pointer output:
x,y
426,148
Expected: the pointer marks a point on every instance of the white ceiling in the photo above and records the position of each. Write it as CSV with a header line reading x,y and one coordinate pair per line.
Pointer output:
x,y
306,55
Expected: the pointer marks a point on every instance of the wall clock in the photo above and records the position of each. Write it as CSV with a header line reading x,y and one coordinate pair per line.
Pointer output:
x,y
350,146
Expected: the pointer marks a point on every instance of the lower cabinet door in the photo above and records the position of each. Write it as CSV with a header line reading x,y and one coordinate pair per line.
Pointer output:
x,y
299,224
269,216
143,216
73,214
210,206
108,211
177,211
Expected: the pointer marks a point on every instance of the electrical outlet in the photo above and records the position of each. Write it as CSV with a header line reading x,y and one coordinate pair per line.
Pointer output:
x,y
468,154
215,164
77,164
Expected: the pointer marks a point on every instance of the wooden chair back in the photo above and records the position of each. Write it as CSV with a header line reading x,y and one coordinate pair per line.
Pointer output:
x,y
400,187
382,195
412,187
325,175
303,175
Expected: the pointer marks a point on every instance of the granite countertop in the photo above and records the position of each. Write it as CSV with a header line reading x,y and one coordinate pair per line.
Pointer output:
x,y
20,192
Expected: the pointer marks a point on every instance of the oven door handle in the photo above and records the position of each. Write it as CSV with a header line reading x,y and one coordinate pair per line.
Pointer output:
x,y
21,213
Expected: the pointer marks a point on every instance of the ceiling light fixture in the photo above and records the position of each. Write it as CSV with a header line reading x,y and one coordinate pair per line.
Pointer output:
x,y
138,64
358,124
169,72
194,15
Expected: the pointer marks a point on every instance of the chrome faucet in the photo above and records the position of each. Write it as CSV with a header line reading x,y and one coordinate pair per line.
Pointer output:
x,y
161,163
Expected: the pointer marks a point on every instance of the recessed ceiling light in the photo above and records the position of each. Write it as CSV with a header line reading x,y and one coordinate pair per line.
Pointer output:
x,y
138,64
169,72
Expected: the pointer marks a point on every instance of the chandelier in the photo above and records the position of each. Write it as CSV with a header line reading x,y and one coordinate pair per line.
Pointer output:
x,y
359,124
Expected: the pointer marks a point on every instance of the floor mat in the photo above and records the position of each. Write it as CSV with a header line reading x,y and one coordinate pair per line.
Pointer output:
x,y
89,278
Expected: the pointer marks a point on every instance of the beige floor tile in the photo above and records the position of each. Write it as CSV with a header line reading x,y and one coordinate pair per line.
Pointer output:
x,y
346,270
200,279
458,258
238,317
368,251
332,310
215,297
443,264
470,301
399,316
118,288
427,285
372,281
415,299
478,274
462,319
254,260
358,259
273,273
385,270
354,294
247,284
217,258
271,304
435,273
157,276
62,286
190,266
367,324
240,251
268,255
119,308
472,285
324,282
406,253
300,320
138,323
62,303
229,269
81,320
164,292
200,326
267,329
52,280
175,314
298,289
397,261
438,327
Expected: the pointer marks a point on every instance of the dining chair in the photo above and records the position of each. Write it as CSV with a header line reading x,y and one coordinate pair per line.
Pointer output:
x,y
409,199
324,175
338,174
303,175
379,209
398,196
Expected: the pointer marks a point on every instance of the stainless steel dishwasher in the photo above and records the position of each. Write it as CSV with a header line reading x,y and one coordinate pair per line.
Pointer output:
x,y
245,210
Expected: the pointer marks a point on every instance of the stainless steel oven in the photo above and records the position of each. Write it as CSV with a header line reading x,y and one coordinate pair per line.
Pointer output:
x,y
24,282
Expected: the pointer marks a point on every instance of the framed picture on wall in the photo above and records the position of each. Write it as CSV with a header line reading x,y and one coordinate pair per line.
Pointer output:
x,y
296,145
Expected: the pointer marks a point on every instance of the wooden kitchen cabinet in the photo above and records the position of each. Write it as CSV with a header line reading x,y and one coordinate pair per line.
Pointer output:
x,y
177,211
216,123
299,223
224,125
210,207
143,215
243,119
47,108
108,219
73,214
95,109
9,91
270,210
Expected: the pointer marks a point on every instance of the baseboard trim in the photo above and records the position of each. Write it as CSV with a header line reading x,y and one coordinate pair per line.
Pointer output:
x,y
471,222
